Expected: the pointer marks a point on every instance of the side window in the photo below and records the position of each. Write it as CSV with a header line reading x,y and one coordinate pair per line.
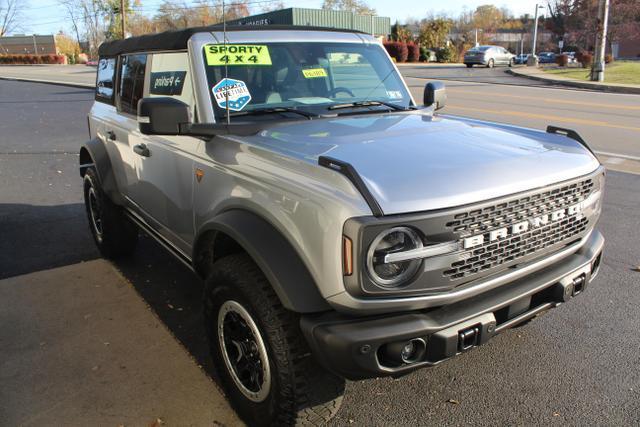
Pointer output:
x,y
105,80
131,88
170,76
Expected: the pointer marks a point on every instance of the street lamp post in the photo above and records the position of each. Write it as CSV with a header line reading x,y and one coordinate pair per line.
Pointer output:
x,y
535,30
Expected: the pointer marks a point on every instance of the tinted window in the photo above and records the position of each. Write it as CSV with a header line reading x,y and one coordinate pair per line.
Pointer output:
x,y
105,79
132,82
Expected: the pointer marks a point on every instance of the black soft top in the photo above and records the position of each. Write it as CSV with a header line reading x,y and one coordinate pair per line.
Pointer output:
x,y
177,39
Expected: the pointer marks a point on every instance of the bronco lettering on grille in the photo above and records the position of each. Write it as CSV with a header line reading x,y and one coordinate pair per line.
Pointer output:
x,y
522,226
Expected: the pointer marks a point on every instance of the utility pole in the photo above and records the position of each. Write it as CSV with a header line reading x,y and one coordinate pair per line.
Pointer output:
x,y
123,14
597,68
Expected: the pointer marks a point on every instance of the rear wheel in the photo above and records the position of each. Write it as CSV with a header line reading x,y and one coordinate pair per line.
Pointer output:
x,y
469,65
259,353
114,234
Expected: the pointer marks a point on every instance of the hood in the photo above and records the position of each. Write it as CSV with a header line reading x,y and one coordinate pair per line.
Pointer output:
x,y
415,162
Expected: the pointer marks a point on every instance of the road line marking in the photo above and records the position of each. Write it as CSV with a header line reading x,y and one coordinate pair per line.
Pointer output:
x,y
622,156
553,100
547,117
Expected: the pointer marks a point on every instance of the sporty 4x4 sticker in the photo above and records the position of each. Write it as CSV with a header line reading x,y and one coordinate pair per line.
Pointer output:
x,y
237,54
235,91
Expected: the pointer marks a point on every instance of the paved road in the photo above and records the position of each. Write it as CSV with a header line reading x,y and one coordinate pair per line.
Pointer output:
x,y
576,365
609,122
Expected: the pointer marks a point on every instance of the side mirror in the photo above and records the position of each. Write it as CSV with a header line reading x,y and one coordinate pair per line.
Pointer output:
x,y
162,116
435,94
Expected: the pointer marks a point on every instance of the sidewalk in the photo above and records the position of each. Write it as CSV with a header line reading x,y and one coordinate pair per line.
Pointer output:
x,y
536,73
80,76
80,346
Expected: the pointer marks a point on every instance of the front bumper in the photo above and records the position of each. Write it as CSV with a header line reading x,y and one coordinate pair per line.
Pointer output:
x,y
358,348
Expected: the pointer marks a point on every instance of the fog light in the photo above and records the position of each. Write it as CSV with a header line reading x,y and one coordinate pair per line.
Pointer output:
x,y
405,352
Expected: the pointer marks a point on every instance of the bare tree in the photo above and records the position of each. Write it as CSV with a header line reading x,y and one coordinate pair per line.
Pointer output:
x,y
10,15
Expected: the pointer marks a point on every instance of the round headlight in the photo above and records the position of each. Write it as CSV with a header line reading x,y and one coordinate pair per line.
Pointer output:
x,y
393,274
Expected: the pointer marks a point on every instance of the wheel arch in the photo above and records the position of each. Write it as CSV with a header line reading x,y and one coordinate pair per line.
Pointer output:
x,y
239,230
93,153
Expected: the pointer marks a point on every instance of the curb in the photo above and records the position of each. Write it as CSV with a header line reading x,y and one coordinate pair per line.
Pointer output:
x,y
581,85
50,82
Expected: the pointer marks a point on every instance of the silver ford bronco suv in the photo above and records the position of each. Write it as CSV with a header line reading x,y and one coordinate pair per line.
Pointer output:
x,y
342,230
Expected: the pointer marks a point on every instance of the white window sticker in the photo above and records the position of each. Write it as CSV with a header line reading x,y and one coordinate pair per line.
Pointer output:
x,y
233,91
394,94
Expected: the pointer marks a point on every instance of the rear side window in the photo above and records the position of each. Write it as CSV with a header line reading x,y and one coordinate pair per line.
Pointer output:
x,y
170,76
105,80
131,88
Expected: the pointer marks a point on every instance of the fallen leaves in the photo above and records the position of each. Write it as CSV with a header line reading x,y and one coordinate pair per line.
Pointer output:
x,y
453,402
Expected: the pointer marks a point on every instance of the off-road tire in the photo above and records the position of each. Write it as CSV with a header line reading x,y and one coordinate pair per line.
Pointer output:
x,y
301,391
116,236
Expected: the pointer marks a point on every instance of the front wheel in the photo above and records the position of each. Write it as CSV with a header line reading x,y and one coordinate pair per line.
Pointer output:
x,y
259,353
512,62
469,65
491,63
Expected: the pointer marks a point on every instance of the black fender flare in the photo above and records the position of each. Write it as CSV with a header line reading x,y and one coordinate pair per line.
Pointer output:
x,y
274,255
94,153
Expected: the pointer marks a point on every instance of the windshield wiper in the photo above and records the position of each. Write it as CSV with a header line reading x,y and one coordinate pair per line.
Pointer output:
x,y
274,110
357,104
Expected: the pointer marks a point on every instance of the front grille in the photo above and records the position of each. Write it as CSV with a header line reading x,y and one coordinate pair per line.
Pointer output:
x,y
494,253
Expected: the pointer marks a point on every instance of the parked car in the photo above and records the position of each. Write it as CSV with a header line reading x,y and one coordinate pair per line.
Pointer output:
x,y
547,58
489,56
571,57
522,58
91,63
341,230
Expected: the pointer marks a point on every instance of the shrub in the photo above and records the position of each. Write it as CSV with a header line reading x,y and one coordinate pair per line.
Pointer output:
x,y
413,52
445,54
397,50
585,58
32,59
562,60
608,58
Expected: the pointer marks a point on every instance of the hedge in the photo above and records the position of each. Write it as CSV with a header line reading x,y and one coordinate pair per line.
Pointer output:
x,y
562,59
414,52
32,59
397,50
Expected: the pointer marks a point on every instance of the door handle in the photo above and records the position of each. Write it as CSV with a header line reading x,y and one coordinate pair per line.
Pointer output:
x,y
111,135
142,150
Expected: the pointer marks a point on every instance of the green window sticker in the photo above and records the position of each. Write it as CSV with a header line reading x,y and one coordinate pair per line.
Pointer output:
x,y
237,54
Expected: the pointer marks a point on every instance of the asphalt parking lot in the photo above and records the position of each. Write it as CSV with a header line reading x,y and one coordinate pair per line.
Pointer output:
x,y
85,341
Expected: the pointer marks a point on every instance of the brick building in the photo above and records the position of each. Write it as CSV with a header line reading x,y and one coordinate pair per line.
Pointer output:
x,y
23,44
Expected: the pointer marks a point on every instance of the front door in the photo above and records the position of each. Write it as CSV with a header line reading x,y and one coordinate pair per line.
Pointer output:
x,y
165,169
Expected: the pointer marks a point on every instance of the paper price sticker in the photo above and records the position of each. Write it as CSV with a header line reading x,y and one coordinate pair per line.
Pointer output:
x,y
237,54
314,73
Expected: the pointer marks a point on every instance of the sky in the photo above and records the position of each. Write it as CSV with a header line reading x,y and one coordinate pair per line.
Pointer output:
x,y
48,17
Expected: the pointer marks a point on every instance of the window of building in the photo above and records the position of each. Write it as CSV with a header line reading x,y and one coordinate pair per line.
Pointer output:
x,y
131,82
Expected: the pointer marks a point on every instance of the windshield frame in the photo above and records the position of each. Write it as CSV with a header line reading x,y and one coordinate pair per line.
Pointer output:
x,y
206,110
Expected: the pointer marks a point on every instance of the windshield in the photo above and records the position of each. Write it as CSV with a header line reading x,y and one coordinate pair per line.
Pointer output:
x,y
306,76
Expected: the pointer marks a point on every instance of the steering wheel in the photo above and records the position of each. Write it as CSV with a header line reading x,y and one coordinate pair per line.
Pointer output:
x,y
333,92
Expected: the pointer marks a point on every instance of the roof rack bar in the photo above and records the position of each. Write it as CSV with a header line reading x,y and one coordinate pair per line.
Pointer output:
x,y
352,175
569,133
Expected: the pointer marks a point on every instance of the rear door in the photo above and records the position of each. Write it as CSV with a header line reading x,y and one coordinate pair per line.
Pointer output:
x,y
164,164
